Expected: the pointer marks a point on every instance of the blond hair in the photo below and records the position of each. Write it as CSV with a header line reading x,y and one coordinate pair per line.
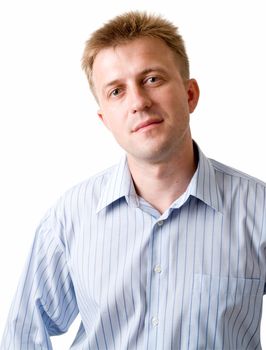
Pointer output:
x,y
129,26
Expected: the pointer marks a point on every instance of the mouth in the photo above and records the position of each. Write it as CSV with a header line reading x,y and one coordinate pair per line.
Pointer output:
x,y
148,124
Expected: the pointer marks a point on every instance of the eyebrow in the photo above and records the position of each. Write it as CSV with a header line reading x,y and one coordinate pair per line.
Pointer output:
x,y
143,72
152,69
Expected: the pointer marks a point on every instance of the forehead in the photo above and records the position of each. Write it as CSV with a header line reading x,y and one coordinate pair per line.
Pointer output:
x,y
130,58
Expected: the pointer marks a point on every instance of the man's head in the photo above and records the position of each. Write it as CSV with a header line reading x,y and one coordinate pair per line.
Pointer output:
x,y
127,27
142,86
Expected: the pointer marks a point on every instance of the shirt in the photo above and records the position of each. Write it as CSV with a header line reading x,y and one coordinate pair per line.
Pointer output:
x,y
190,278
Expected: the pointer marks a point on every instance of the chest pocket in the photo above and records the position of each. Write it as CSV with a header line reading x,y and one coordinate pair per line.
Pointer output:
x,y
225,312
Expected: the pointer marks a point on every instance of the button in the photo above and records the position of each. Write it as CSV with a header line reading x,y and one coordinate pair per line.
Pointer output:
x,y
155,321
157,269
160,223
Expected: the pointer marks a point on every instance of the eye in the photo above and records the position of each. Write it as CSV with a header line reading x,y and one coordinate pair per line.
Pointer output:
x,y
115,92
152,79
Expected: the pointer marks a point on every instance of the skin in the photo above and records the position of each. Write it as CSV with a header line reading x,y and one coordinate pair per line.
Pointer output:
x,y
146,104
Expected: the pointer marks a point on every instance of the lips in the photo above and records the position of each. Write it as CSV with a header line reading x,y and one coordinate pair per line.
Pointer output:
x,y
146,123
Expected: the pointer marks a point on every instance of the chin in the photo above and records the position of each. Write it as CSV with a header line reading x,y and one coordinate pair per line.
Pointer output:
x,y
152,152
150,157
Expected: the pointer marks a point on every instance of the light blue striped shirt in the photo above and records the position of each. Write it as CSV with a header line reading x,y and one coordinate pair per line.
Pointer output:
x,y
191,278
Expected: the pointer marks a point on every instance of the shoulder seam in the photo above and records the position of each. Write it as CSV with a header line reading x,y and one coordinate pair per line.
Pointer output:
x,y
228,170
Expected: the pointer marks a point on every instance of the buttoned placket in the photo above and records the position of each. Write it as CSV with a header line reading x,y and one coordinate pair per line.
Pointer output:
x,y
154,286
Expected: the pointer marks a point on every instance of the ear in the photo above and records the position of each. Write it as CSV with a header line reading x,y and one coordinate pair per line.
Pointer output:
x,y
193,93
101,116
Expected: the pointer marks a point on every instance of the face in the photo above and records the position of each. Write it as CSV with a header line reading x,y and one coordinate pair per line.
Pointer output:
x,y
143,100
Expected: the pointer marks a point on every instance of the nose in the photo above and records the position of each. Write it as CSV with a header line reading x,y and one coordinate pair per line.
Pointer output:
x,y
139,99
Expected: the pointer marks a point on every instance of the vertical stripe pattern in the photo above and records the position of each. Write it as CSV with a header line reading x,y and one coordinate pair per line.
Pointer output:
x,y
190,278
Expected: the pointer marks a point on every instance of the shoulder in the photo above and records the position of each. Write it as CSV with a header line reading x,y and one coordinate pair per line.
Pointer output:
x,y
91,186
83,196
235,174
93,183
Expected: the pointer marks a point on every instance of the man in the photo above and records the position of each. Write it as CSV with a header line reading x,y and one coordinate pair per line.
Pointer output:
x,y
165,250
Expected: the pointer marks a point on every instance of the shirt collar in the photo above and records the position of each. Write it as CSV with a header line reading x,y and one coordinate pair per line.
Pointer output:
x,y
203,185
118,185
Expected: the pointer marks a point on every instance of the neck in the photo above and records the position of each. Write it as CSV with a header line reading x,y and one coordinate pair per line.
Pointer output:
x,y
162,183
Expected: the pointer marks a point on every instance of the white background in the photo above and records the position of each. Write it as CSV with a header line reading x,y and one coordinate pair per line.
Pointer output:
x,y
50,136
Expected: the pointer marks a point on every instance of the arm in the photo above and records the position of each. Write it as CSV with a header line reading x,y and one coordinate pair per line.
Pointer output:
x,y
45,302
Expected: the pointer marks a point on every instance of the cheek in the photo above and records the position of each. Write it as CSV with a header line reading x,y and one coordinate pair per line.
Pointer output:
x,y
180,103
173,98
114,124
175,105
108,117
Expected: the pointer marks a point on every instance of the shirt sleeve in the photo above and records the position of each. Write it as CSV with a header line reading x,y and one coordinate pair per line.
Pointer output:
x,y
45,302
